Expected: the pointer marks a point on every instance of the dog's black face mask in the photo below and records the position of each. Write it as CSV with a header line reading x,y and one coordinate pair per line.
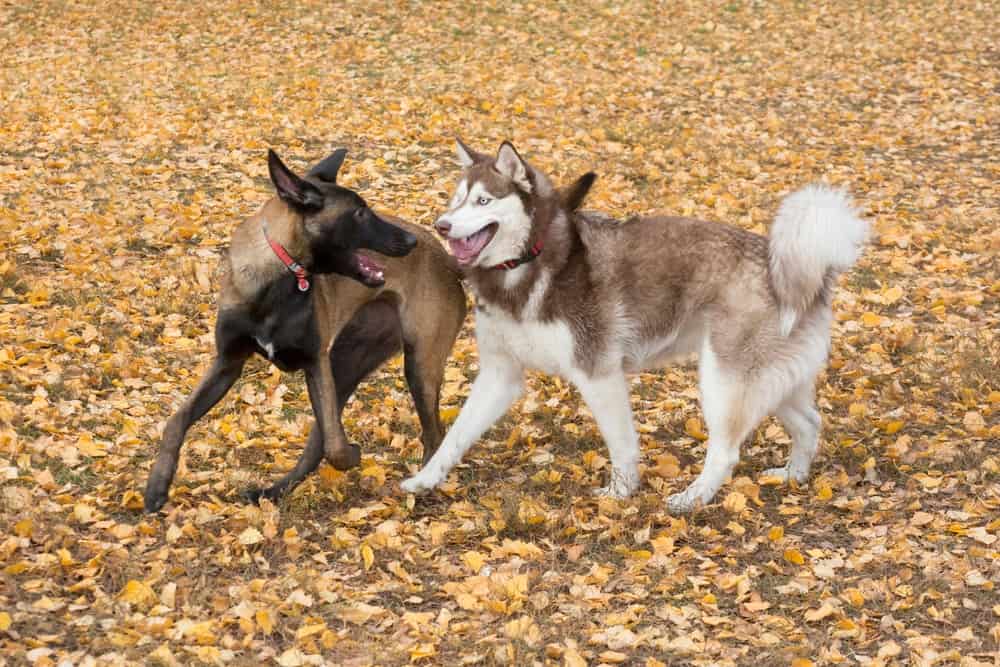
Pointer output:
x,y
337,221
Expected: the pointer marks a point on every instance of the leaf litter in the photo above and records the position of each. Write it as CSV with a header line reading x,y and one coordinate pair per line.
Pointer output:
x,y
133,140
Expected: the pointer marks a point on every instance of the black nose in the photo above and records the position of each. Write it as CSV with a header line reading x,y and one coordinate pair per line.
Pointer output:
x,y
442,227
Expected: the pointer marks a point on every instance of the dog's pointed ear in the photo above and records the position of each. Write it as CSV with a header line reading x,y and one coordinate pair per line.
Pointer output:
x,y
292,189
574,194
328,168
466,155
510,164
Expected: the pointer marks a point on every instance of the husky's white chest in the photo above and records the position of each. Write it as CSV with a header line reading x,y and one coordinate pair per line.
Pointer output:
x,y
542,346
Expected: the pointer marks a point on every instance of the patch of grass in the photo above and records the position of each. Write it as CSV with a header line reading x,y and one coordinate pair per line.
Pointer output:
x,y
862,277
81,477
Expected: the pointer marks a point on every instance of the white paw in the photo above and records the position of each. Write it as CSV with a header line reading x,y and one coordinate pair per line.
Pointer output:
x,y
620,486
686,501
785,475
420,482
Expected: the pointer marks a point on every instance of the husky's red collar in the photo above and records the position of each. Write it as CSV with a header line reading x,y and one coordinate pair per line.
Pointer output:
x,y
533,252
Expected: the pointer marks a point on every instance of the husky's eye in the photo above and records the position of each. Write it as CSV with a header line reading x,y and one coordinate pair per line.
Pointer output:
x,y
483,201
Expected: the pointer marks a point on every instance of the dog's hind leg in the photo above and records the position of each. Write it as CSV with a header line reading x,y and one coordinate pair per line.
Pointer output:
x,y
427,342
219,379
424,374
371,337
734,401
801,420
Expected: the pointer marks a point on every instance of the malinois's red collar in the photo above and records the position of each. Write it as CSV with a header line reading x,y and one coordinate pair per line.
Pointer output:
x,y
532,252
301,275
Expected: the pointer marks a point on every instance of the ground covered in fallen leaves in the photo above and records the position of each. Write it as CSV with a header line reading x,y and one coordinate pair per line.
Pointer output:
x,y
132,139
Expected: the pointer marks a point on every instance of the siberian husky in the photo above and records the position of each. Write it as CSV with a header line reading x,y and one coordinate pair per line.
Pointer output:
x,y
591,299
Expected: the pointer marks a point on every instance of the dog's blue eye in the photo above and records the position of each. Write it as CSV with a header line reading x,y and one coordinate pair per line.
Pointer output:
x,y
483,201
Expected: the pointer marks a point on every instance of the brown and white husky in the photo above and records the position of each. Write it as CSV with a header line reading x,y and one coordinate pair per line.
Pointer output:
x,y
589,298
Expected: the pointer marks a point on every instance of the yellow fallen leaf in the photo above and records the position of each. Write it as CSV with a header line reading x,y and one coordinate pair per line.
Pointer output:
x,y
892,295
871,319
793,556
893,426
735,502
359,613
5,621
89,447
572,658
824,610
694,428
23,528
201,633
776,533
423,651
474,561
137,593
448,415
310,630
265,620
368,556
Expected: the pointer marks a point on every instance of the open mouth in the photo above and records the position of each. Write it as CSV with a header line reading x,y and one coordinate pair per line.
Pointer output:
x,y
467,249
371,272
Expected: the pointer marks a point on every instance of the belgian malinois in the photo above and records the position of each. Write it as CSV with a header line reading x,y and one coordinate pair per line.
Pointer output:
x,y
297,291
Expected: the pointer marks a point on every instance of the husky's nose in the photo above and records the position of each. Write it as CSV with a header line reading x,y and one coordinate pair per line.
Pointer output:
x,y
442,226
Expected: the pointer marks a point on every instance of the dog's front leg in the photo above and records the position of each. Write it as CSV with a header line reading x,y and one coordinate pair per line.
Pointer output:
x,y
338,452
225,370
607,397
498,385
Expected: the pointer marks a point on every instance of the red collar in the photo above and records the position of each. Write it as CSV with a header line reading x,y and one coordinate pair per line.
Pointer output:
x,y
533,252
301,275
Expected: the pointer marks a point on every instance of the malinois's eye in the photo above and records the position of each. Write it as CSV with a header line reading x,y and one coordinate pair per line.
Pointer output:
x,y
359,213
483,201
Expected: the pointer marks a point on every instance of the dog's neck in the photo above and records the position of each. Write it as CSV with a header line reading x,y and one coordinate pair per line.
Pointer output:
x,y
553,226
254,263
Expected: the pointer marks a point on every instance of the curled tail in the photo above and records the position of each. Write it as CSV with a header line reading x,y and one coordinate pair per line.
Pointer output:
x,y
816,235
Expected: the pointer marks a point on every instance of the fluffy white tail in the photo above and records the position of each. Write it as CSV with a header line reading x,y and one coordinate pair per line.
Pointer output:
x,y
816,235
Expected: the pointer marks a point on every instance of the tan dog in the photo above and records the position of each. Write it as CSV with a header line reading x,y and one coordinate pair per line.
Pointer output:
x,y
297,291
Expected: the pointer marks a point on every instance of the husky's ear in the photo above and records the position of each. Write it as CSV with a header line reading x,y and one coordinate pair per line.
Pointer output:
x,y
510,164
574,194
293,190
466,155
328,168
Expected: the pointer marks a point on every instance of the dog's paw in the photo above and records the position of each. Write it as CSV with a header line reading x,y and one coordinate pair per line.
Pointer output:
x,y
346,458
419,483
620,486
253,495
686,501
154,501
786,475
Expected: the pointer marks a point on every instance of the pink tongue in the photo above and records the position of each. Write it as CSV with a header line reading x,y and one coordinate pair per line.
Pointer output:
x,y
465,250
